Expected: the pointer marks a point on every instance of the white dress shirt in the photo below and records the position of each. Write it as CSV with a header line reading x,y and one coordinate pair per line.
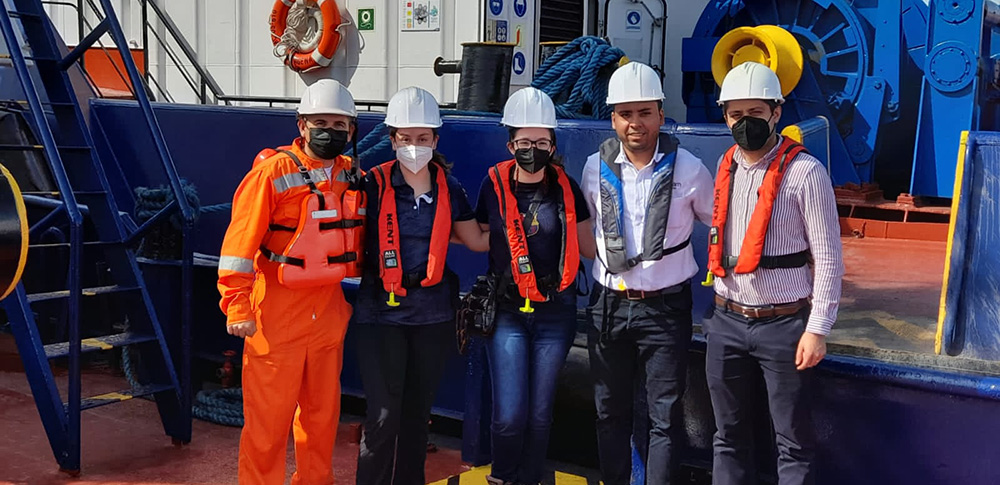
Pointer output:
x,y
692,197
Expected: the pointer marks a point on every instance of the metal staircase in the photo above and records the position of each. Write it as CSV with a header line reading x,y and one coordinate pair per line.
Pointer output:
x,y
102,279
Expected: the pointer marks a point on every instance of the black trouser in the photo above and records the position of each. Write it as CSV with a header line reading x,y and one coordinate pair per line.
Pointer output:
x,y
647,341
401,368
737,347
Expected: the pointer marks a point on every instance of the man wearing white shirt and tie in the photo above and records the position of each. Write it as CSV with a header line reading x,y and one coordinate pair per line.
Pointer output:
x,y
645,193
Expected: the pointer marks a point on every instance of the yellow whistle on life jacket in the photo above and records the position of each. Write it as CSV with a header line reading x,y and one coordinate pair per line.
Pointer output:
x,y
392,300
527,306
709,279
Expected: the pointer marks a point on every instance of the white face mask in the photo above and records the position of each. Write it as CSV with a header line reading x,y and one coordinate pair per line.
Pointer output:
x,y
414,158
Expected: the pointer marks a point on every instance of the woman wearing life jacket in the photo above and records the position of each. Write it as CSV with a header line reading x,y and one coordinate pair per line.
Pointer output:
x,y
404,315
539,226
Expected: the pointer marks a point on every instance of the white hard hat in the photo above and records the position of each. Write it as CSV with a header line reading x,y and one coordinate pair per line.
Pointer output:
x,y
751,80
327,97
413,108
634,82
529,108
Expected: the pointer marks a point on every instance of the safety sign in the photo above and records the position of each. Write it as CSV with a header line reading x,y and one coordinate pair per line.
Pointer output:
x,y
520,7
501,31
633,20
366,19
519,63
421,15
508,21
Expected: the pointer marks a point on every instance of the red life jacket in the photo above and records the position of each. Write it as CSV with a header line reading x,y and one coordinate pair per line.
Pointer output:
x,y
390,267
522,269
750,257
321,251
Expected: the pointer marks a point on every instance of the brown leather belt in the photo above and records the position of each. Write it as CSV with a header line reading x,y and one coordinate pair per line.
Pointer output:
x,y
766,311
629,294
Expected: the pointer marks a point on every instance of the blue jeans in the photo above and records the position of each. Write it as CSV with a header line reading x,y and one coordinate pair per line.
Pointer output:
x,y
526,353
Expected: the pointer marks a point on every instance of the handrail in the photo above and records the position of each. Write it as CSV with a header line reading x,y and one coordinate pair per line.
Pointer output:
x,y
147,110
201,87
206,78
272,100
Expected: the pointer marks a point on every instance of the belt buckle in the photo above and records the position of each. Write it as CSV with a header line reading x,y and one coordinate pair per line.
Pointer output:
x,y
636,295
757,309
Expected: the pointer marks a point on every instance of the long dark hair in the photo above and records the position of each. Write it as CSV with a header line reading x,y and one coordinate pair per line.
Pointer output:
x,y
436,158
556,159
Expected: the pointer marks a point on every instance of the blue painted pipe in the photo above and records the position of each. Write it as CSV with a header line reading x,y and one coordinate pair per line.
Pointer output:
x,y
980,387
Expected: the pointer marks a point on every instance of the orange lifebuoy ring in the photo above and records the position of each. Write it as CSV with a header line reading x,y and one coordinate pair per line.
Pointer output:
x,y
322,54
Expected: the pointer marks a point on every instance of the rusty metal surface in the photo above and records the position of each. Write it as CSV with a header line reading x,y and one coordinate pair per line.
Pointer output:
x,y
890,296
875,229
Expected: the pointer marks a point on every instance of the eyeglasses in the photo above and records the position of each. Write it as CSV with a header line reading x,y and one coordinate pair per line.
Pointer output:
x,y
524,144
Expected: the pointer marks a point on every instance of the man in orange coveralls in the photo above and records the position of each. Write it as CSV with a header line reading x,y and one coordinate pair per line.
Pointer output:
x,y
294,338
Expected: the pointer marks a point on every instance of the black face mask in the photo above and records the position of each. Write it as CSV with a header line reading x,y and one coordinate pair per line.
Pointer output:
x,y
532,159
751,133
327,143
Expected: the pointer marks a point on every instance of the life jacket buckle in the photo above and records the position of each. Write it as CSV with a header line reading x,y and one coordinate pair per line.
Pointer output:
x,y
527,306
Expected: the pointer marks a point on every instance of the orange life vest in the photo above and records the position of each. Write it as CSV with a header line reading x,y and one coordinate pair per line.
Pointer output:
x,y
353,205
390,266
522,270
268,153
325,247
750,257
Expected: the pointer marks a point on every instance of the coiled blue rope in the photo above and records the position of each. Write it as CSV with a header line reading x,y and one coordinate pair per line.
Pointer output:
x,y
221,406
576,77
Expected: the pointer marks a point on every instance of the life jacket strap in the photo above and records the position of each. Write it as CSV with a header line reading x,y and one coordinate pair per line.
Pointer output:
x,y
279,227
323,226
349,257
634,261
281,258
341,224
794,260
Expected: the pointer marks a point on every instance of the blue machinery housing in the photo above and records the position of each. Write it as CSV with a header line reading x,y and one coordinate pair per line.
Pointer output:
x,y
899,80
879,423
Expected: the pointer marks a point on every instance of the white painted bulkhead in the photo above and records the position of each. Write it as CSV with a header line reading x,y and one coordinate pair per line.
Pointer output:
x,y
231,38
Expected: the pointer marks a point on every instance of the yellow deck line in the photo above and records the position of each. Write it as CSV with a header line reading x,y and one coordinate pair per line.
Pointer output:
x,y
477,476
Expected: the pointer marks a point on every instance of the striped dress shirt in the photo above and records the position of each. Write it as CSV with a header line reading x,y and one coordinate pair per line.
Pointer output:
x,y
804,217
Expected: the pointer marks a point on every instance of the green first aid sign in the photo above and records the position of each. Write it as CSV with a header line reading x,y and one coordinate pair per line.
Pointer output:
x,y
366,19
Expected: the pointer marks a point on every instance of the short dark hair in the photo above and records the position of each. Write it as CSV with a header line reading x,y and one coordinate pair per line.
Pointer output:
x,y
393,131
769,102
659,105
